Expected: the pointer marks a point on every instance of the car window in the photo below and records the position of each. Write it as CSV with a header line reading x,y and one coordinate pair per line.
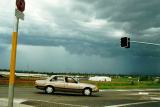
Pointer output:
x,y
60,79
57,78
70,80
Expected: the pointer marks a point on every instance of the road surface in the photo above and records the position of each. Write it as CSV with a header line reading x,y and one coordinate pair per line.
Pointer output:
x,y
105,98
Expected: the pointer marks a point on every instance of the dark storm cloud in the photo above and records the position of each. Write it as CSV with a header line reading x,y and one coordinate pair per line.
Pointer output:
x,y
140,14
2,48
67,27
84,35
107,48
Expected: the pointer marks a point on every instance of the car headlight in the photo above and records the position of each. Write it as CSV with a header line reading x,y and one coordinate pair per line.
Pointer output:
x,y
95,88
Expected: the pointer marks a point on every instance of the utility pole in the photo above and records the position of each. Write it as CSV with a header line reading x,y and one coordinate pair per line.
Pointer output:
x,y
20,7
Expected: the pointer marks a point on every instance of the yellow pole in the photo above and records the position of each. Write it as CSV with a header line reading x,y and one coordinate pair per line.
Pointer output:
x,y
12,69
13,64
13,57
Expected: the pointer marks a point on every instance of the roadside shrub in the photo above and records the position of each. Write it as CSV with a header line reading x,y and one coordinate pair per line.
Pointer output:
x,y
157,80
132,83
146,78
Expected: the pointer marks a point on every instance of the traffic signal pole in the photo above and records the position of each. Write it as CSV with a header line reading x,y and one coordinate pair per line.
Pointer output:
x,y
13,63
125,42
148,43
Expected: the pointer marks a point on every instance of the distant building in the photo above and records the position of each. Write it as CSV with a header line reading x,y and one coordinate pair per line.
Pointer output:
x,y
24,74
100,78
130,77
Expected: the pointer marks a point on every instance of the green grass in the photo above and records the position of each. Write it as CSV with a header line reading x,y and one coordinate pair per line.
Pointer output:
x,y
125,83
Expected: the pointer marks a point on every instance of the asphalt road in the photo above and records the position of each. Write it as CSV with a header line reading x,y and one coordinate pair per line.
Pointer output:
x,y
106,98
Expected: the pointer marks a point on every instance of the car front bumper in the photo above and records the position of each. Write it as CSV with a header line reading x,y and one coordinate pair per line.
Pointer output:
x,y
95,90
40,87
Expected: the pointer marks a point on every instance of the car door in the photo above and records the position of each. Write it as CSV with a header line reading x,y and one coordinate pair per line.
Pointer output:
x,y
58,83
71,85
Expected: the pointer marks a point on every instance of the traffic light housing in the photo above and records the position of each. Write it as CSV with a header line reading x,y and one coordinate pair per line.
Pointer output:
x,y
125,42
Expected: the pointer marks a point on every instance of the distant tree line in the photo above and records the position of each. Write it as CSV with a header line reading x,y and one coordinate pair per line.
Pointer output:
x,y
141,77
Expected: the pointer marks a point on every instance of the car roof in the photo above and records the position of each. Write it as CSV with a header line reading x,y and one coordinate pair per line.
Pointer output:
x,y
62,76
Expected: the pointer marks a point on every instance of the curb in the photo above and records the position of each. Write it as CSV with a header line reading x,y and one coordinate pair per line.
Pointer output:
x,y
4,103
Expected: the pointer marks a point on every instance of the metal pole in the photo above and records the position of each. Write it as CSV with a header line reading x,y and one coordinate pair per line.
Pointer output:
x,y
13,63
148,43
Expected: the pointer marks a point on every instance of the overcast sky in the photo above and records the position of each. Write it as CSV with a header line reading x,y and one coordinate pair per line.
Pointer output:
x,y
83,36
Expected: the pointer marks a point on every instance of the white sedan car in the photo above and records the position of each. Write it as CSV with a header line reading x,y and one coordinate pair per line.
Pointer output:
x,y
65,84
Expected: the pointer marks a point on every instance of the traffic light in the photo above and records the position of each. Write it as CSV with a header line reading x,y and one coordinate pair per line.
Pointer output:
x,y
125,42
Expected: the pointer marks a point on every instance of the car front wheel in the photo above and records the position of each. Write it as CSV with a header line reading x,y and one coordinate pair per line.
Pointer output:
x,y
49,90
87,92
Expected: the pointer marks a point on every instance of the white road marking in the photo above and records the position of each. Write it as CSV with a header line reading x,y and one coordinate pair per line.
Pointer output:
x,y
18,101
155,98
143,93
128,104
105,90
139,93
58,103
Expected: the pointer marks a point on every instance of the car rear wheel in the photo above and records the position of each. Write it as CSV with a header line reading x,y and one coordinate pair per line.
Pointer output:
x,y
87,92
49,90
